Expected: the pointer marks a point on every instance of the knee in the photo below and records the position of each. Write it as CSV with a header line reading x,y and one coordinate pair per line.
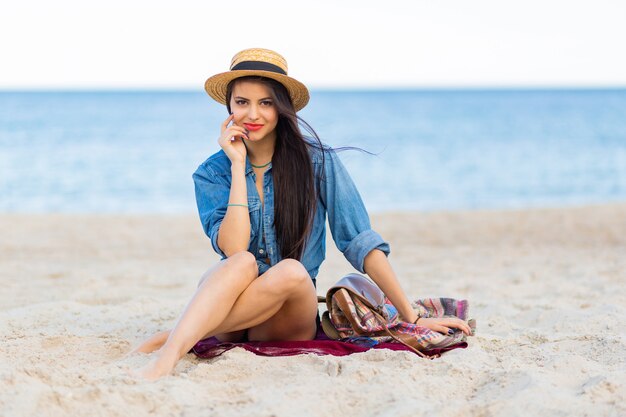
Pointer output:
x,y
239,266
242,259
293,276
243,263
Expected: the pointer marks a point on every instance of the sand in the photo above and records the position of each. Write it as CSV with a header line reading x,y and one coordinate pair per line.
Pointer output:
x,y
546,286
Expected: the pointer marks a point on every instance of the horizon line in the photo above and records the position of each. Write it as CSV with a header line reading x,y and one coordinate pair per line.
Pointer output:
x,y
140,89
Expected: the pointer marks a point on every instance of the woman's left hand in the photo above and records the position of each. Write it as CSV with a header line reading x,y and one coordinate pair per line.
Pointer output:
x,y
444,324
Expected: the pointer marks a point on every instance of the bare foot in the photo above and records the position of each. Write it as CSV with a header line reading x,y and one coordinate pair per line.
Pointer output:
x,y
161,365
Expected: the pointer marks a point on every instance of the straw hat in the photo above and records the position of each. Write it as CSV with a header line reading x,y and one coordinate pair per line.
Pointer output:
x,y
260,62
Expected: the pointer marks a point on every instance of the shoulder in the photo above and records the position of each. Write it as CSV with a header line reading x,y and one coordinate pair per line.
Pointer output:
x,y
217,164
321,155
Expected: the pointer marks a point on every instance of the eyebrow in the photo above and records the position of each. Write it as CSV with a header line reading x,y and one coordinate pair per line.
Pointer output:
x,y
243,98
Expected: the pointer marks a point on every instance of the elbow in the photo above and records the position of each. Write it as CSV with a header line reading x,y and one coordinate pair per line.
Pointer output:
x,y
374,257
229,248
230,241
228,252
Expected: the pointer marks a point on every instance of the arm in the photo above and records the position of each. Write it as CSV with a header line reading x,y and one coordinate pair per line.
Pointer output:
x,y
363,247
234,232
379,269
347,217
214,193
350,226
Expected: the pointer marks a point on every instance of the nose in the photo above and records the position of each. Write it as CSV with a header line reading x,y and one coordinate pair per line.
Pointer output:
x,y
253,112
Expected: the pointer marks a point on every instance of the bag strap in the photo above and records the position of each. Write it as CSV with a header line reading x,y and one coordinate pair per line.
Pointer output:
x,y
351,286
378,315
397,339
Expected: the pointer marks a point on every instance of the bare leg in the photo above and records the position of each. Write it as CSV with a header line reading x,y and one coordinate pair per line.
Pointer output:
x,y
279,305
153,343
244,309
213,299
156,341
221,306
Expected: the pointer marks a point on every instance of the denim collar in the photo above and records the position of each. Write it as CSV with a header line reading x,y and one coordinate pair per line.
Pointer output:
x,y
249,169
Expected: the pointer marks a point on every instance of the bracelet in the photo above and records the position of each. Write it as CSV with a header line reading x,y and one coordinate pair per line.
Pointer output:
x,y
417,319
238,205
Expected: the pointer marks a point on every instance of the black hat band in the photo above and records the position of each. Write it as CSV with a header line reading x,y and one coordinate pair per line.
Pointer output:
x,y
258,66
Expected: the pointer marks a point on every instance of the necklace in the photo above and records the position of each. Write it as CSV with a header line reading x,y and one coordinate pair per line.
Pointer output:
x,y
260,166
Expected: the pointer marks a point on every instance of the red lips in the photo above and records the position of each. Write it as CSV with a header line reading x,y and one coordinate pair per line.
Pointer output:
x,y
252,126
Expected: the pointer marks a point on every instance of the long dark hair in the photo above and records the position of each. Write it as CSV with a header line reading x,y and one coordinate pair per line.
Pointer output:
x,y
295,192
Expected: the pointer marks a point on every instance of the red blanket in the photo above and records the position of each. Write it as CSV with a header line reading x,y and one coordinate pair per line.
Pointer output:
x,y
321,345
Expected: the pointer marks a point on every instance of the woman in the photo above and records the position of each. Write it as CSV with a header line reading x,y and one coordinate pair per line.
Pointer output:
x,y
263,201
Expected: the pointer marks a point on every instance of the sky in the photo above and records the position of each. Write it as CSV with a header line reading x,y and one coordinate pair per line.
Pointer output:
x,y
71,44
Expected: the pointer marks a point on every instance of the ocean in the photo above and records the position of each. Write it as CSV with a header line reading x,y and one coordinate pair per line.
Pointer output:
x,y
135,151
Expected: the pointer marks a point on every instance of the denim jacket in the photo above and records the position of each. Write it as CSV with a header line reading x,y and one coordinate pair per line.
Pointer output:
x,y
338,198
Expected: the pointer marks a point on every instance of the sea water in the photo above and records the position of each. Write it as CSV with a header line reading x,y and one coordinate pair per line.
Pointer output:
x,y
135,151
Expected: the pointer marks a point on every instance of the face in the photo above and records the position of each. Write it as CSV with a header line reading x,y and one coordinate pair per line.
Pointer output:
x,y
254,109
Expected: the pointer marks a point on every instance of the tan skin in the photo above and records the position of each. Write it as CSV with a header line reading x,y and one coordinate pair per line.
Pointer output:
x,y
232,298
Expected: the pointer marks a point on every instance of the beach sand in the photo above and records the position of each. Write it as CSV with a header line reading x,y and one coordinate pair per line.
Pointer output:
x,y
546,286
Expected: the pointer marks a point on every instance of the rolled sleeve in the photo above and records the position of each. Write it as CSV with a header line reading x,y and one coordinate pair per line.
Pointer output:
x,y
363,244
213,233
212,198
347,217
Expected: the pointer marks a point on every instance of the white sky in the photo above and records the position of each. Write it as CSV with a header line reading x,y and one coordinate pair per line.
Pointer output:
x,y
158,44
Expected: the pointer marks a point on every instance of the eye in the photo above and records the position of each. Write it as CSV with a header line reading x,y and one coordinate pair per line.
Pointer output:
x,y
240,102
266,103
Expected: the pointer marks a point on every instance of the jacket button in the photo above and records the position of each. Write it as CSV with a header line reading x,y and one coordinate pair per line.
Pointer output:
x,y
261,251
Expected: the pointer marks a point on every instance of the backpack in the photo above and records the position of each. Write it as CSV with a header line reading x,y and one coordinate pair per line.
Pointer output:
x,y
358,311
